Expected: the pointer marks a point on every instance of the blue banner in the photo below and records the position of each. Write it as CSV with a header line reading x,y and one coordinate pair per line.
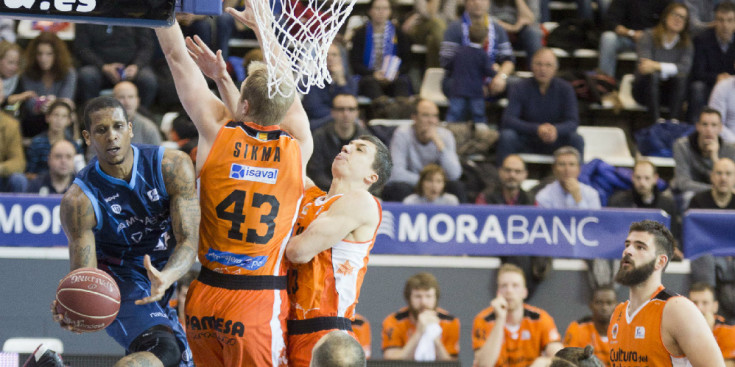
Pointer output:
x,y
709,232
487,230
30,220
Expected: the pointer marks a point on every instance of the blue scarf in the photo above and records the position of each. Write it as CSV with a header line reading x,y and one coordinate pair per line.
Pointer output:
x,y
490,46
390,42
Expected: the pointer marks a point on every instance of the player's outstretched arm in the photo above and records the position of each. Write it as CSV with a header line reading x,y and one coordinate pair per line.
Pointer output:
x,y
214,67
488,354
203,107
179,177
685,331
78,220
334,225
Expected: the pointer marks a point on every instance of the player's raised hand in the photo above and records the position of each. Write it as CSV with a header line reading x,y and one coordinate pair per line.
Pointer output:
x,y
159,283
246,16
211,64
500,307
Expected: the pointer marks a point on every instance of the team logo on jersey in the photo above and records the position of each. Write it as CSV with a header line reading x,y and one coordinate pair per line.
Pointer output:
x,y
345,268
111,198
525,335
153,195
640,332
257,174
116,208
162,242
614,331
136,237
239,260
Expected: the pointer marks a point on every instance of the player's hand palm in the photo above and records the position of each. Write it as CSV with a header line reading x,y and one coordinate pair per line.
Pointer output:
x,y
158,283
211,64
246,16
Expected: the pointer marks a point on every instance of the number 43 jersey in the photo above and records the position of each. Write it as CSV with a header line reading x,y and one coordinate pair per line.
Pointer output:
x,y
250,188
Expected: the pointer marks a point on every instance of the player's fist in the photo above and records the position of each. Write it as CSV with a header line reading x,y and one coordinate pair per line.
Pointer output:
x,y
500,306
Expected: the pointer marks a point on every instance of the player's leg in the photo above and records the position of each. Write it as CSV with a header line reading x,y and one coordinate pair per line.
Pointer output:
x,y
156,346
200,332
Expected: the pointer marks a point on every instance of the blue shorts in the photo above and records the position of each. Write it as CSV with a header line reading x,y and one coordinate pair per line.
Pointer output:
x,y
133,320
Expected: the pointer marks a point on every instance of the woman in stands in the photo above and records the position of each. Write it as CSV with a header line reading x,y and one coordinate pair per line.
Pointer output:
x,y
51,75
10,59
430,188
665,55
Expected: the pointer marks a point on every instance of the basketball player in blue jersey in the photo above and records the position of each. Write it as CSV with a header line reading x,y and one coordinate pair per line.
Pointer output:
x,y
134,213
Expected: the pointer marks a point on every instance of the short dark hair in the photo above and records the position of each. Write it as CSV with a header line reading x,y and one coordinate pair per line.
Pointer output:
x,y
338,349
725,7
59,103
708,110
101,103
423,281
428,172
603,288
702,287
662,237
184,127
382,163
478,32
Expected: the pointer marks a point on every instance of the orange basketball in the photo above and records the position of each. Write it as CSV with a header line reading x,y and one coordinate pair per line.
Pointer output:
x,y
88,299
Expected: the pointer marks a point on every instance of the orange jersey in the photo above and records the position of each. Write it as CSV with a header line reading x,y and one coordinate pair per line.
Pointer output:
x,y
250,188
329,284
582,333
361,328
635,340
725,336
521,345
399,327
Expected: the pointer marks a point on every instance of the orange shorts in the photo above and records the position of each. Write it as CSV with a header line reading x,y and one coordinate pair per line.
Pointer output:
x,y
236,327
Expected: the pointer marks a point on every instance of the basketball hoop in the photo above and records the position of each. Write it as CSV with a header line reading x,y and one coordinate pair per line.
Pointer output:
x,y
304,29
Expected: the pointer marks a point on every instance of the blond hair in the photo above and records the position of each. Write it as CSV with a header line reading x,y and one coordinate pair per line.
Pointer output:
x,y
263,110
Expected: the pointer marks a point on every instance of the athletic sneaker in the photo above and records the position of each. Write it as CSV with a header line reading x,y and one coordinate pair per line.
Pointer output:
x,y
44,357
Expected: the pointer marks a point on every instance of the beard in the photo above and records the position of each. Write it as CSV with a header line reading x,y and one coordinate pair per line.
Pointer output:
x,y
635,276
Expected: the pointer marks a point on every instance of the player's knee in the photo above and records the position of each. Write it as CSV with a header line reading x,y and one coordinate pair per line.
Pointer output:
x,y
161,342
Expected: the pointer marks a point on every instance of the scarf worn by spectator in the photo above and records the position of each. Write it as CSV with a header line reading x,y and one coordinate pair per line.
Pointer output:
x,y
390,42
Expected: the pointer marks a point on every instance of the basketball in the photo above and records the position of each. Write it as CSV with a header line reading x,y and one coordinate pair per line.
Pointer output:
x,y
88,299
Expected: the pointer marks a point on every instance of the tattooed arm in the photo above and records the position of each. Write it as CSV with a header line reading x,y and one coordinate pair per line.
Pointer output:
x,y
179,177
78,220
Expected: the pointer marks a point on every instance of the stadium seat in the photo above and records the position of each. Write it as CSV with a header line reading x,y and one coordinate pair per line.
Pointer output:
x,y
660,161
389,122
606,143
28,345
431,87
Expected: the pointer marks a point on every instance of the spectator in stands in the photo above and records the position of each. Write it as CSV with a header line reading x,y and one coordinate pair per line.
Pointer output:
x,y
330,138
645,194
226,27
430,188
196,25
714,57
60,173
718,272
519,21
567,192
722,99
422,331
371,45
665,56
110,54
592,330
12,160
695,155
184,133
703,296
577,357
10,54
510,332
361,328
337,349
626,21
413,147
427,23
58,118
318,102
542,113
700,14
145,131
7,30
498,45
467,71
512,173
50,74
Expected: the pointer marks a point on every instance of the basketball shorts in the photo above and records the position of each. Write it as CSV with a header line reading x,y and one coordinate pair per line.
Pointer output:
x,y
304,334
133,320
236,327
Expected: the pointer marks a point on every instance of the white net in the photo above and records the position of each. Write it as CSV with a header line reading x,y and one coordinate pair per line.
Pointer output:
x,y
304,29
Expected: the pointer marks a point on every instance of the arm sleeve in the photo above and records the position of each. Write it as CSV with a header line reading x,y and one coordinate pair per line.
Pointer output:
x,y
682,169
644,46
399,146
33,157
450,337
144,41
725,335
16,161
481,329
512,114
684,64
68,85
570,109
549,333
393,336
719,101
503,45
449,160
451,42
571,337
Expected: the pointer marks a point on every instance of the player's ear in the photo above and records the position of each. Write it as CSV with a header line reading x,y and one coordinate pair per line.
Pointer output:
x,y
130,127
661,261
715,307
371,179
85,135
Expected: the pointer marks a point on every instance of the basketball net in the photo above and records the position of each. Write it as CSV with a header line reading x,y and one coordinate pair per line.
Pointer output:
x,y
304,29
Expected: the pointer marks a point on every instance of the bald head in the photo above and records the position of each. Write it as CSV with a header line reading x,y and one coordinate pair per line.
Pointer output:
x,y
723,176
337,349
127,93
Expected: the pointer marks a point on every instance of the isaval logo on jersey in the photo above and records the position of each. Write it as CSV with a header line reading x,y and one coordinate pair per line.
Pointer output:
x,y
257,174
